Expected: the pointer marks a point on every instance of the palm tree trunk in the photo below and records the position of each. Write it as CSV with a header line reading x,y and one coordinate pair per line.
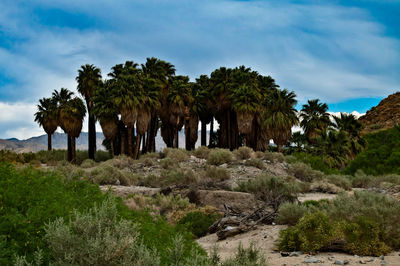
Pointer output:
x,y
211,131
144,143
187,138
203,134
73,150
228,118
112,148
69,147
123,141
92,135
130,148
280,148
176,138
137,146
49,142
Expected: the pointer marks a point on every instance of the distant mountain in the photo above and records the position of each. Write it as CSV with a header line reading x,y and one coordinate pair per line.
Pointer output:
x,y
59,141
383,116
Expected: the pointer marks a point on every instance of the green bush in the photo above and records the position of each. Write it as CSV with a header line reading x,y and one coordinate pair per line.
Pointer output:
x,y
198,223
88,163
313,232
274,157
178,177
382,155
147,161
362,180
246,257
106,174
168,163
243,153
304,172
216,173
32,198
340,181
219,156
290,213
256,163
271,189
201,152
97,237
178,155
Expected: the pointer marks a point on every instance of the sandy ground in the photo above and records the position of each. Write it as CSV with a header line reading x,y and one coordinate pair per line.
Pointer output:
x,y
265,238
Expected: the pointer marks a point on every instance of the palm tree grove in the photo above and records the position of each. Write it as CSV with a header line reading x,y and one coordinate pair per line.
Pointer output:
x,y
199,133
136,102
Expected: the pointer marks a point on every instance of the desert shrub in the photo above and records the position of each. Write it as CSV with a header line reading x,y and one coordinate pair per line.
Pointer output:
x,y
168,163
197,222
323,186
274,157
250,256
362,180
216,173
35,163
150,180
290,159
88,163
102,156
219,156
259,154
313,232
120,162
98,232
316,162
363,237
146,161
69,171
272,189
304,172
106,174
201,152
243,153
290,213
340,181
178,177
178,155
256,163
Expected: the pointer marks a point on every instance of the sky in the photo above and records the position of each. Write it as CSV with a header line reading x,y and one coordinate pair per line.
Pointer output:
x,y
346,53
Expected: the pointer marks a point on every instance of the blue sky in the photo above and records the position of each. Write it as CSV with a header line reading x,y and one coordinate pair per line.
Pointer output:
x,y
347,53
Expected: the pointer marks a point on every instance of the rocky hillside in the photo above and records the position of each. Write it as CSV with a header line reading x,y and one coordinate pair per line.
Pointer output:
x,y
383,116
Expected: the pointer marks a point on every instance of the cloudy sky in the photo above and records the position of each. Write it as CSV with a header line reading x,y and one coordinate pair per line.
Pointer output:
x,y
347,53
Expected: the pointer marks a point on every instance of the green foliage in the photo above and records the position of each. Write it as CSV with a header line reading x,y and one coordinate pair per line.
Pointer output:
x,y
274,157
107,174
313,232
317,162
250,256
88,163
178,155
168,163
97,237
201,152
290,213
304,172
362,180
340,181
216,173
382,154
219,156
178,177
271,189
198,223
256,163
243,153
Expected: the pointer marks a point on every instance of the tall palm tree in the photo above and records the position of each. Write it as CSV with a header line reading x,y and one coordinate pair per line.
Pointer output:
x,y
107,113
203,105
89,79
72,114
128,87
314,119
47,117
349,124
61,97
280,116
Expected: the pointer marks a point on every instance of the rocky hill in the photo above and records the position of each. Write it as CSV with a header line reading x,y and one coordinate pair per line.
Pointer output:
x,y
383,116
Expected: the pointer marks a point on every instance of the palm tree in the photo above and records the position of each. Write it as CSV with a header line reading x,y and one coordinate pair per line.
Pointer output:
x,y
128,86
61,98
89,79
314,119
107,113
280,116
72,114
348,124
203,106
47,117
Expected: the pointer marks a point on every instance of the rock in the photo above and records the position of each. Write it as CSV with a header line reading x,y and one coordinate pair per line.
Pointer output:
x,y
295,253
285,254
362,262
382,257
339,262
124,191
313,260
383,263
346,262
370,260
356,256
224,165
